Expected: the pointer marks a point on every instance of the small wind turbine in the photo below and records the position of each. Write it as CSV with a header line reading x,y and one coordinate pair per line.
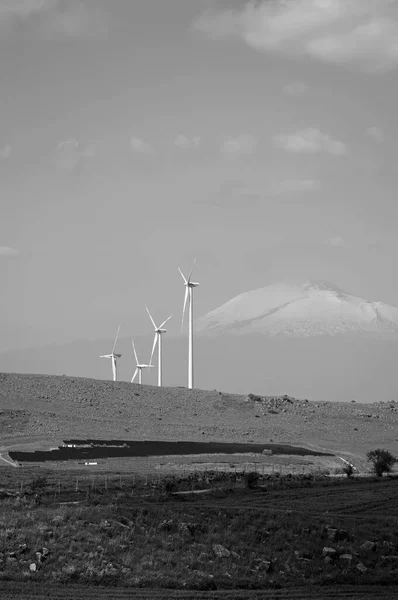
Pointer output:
x,y
139,367
189,285
158,340
113,356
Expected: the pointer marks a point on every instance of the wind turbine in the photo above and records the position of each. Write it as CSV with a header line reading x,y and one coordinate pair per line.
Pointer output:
x,y
113,356
189,285
139,366
158,340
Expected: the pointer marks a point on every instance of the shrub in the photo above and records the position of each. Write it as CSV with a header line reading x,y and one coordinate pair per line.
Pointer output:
x,y
348,470
382,460
251,479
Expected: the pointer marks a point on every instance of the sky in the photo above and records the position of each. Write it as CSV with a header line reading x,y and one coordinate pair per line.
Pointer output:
x,y
259,137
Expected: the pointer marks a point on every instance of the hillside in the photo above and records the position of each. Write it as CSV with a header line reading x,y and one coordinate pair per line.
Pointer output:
x,y
51,408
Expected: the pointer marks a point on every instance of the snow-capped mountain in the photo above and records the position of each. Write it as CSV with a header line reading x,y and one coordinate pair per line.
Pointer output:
x,y
311,309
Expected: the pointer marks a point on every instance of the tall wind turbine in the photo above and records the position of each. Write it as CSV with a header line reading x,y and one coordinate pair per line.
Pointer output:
x,y
113,356
158,340
189,285
139,367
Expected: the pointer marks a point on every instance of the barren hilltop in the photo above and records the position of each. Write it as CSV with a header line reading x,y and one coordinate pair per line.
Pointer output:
x,y
51,408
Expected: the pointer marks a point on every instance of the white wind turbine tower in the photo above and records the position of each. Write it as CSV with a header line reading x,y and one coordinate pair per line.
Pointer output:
x,y
139,366
158,340
113,356
189,285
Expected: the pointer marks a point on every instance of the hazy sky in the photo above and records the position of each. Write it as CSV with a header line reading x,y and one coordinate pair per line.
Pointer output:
x,y
136,134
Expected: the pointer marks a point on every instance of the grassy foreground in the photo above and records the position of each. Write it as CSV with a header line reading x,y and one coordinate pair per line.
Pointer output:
x,y
295,533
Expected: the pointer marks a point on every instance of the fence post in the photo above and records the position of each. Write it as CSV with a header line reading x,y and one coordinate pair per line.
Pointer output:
x,y
77,484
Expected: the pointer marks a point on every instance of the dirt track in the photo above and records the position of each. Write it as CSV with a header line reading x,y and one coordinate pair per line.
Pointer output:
x,y
50,409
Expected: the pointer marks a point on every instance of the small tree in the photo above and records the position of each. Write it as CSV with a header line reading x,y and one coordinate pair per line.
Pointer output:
x,y
382,460
348,470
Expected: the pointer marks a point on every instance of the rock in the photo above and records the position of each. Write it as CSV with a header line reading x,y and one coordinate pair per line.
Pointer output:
x,y
264,565
32,567
368,546
346,558
23,548
330,552
327,559
389,558
45,552
220,551
337,535
361,568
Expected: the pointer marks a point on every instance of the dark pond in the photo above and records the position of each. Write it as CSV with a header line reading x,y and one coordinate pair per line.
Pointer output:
x,y
89,449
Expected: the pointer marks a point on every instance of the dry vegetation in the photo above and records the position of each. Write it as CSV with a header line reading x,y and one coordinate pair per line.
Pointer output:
x,y
292,533
116,535
39,408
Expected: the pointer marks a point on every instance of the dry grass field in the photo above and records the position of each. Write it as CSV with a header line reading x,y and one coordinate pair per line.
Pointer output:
x,y
39,411
118,535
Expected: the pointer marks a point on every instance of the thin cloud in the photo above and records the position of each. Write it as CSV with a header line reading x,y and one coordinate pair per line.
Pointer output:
x,y
359,32
376,133
71,18
238,146
337,242
296,88
8,252
186,143
139,146
300,185
5,152
73,155
310,140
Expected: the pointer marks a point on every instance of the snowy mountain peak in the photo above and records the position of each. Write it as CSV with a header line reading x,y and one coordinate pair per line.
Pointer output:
x,y
313,308
324,286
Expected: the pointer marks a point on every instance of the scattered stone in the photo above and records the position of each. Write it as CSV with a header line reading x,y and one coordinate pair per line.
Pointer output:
x,y
368,546
361,568
347,558
32,567
337,535
330,552
264,565
389,558
220,551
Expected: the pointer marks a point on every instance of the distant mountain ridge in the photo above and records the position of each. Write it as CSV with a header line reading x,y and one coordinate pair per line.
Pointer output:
x,y
310,309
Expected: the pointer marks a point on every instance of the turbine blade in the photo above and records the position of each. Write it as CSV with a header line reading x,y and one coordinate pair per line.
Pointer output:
x,y
150,316
185,304
164,322
190,274
117,335
135,353
182,275
153,347
135,375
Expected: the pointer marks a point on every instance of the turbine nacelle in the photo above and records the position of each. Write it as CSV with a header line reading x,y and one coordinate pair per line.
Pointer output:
x,y
111,355
158,332
139,366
